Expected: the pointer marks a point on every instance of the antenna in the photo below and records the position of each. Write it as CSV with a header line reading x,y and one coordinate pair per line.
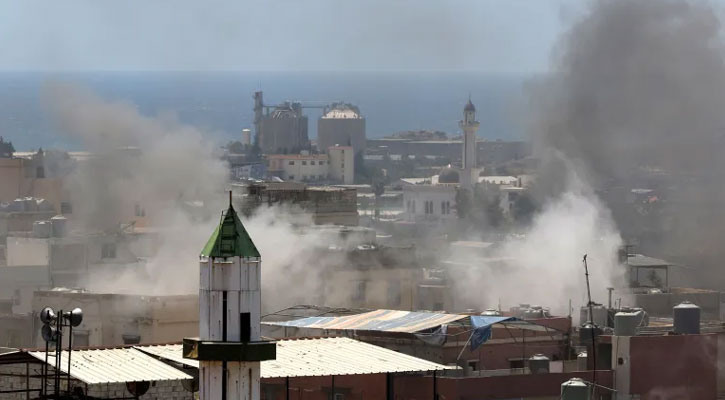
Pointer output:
x,y
591,321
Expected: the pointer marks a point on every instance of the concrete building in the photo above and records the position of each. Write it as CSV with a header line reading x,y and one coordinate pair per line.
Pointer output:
x,y
341,124
38,174
469,166
323,204
303,167
342,164
281,130
430,202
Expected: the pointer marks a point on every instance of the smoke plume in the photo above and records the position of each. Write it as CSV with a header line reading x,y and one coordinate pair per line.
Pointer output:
x,y
635,99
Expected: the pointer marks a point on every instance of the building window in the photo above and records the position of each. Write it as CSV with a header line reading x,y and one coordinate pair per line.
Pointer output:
x,y
291,163
445,207
80,338
322,163
108,250
516,363
40,172
291,177
312,163
473,365
131,339
394,295
66,208
358,294
304,162
139,211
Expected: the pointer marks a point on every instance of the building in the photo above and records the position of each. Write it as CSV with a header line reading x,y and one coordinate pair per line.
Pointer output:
x,y
469,166
341,124
38,174
323,204
430,202
281,130
342,164
303,167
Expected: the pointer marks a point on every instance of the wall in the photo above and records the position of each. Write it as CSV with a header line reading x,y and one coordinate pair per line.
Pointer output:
x,y
309,168
11,176
22,251
681,366
438,194
393,288
342,164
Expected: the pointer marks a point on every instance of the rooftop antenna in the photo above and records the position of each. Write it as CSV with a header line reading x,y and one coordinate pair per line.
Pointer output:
x,y
591,321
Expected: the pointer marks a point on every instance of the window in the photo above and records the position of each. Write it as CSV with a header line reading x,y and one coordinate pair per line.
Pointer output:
x,y
445,207
40,172
131,339
473,365
358,294
312,163
394,295
80,338
322,163
108,250
291,177
139,211
66,208
291,163
516,363
304,162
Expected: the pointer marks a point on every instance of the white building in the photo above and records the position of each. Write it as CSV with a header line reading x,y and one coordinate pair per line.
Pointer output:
x,y
342,164
469,125
436,203
303,167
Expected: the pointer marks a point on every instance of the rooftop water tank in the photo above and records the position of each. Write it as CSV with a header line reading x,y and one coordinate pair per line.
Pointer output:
x,y
686,318
539,364
581,361
587,332
59,223
575,389
41,229
626,323
491,312
600,315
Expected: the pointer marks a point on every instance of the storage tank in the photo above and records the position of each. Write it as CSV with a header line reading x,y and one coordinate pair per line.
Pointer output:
x,y
686,318
581,361
41,229
59,223
600,315
491,312
539,364
626,323
586,332
575,389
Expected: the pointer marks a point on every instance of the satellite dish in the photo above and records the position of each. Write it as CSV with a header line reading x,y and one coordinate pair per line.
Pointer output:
x,y
47,315
138,389
75,317
49,333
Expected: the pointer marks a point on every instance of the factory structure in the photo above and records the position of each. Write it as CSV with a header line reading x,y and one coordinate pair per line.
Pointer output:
x,y
341,124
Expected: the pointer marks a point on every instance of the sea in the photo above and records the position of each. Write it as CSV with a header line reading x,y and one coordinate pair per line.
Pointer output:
x,y
220,103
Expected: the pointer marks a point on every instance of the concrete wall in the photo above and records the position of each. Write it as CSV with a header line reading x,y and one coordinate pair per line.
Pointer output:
x,y
393,288
22,251
11,176
342,164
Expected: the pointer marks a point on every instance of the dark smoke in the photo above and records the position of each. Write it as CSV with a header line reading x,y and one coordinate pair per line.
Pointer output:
x,y
637,99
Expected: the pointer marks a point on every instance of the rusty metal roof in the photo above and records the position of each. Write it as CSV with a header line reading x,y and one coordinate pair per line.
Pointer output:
x,y
378,320
114,365
319,357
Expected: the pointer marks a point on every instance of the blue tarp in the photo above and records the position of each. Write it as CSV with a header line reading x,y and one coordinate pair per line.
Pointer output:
x,y
482,328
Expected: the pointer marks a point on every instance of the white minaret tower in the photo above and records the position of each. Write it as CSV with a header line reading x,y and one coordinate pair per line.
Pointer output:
x,y
229,348
469,125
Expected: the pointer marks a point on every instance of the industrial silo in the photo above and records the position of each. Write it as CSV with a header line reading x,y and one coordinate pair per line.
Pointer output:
x,y
341,124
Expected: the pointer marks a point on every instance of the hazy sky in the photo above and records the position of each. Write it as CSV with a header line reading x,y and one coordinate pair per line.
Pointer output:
x,y
485,35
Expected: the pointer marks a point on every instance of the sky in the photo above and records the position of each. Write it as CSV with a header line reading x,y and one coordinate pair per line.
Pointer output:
x,y
493,36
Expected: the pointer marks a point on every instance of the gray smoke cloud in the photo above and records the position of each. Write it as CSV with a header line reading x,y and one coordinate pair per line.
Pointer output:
x,y
635,99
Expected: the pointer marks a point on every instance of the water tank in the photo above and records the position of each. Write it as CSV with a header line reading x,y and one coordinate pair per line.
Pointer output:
x,y
575,389
581,361
686,318
59,223
626,323
600,315
41,229
539,364
491,312
586,332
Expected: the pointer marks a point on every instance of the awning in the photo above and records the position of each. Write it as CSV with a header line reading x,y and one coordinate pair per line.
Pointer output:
x,y
319,357
482,328
378,320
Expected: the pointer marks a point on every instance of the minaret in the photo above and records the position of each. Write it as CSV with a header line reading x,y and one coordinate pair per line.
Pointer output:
x,y
469,125
229,349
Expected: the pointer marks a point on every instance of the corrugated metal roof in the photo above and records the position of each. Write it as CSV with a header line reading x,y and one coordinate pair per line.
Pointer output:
x,y
639,260
116,365
378,320
320,357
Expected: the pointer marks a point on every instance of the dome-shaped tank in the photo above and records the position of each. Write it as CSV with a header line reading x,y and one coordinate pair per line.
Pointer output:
x,y
686,318
539,364
575,389
41,229
491,312
59,223
626,323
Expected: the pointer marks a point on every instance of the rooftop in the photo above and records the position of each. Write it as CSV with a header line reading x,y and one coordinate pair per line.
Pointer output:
x,y
230,239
